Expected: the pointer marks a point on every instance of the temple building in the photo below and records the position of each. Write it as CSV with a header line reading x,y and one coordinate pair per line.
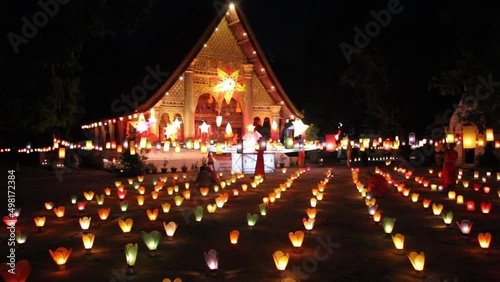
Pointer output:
x,y
218,89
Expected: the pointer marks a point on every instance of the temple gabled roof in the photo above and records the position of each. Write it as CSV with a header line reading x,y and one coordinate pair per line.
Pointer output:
x,y
246,38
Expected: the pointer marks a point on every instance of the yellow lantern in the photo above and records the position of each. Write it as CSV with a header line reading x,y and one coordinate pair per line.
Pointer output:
x,y
311,213
140,200
60,256
88,241
219,201
103,213
165,207
186,194
211,208
39,222
59,211
244,187
414,197
132,147
281,260
417,260
272,198
62,153
426,203
452,195
308,223
204,191
465,183
152,214
170,229
85,222
296,238
233,236
131,256
142,190
154,195
49,205
469,137
89,195
484,240
450,138
399,242
376,217
125,225
107,191
313,202
460,199
437,208
178,201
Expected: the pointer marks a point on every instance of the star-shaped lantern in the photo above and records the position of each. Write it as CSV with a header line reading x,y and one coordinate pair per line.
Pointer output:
x,y
228,84
204,127
299,128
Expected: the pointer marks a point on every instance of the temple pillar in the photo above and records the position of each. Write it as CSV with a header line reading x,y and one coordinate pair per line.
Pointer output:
x,y
189,105
275,119
111,126
247,101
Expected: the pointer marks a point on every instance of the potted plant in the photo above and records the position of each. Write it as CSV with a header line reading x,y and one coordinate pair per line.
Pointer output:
x,y
164,168
154,169
149,167
184,168
173,169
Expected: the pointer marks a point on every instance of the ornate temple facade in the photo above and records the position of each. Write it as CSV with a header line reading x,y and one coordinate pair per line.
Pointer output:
x,y
224,79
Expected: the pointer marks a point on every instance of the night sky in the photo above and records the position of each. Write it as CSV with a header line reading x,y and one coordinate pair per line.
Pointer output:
x,y
301,40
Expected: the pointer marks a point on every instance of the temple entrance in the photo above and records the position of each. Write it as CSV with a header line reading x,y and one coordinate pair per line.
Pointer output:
x,y
207,110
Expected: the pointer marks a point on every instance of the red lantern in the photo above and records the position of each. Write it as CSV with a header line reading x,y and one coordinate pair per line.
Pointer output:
x,y
485,207
121,194
471,206
477,186
80,206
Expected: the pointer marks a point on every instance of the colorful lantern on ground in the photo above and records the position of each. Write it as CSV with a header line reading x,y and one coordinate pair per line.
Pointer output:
x,y
39,222
426,203
417,260
81,205
465,226
61,256
388,224
74,198
311,213
372,209
452,195
21,273
170,229
399,242
178,201
89,195
165,207
447,217
313,201
103,213
124,206
308,223
141,190
296,238
140,200
198,213
49,205
211,208
126,225
233,236
471,206
21,237
252,219
85,223
88,241
485,207
263,209
219,201
484,240
460,199
107,191
281,260
212,259
152,240
376,217
131,256
59,211
121,194
437,208
152,214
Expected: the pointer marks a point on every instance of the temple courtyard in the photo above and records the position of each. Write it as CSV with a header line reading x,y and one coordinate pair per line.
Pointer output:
x,y
345,243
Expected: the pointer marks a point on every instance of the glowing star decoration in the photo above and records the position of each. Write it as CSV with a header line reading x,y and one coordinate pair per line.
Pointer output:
x,y
299,128
229,84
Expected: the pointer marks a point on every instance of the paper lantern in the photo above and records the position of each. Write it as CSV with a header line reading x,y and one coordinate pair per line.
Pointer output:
x,y
485,207
131,256
186,194
388,224
89,195
88,241
22,270
60,256
465,183
311,213
414,197
308,223
204,191
152,240
465,226
289,142
170,229
165,207
372,209
252,219
81,205
170,190
452,195
85,222
124,206
119,149
152,214
471,206
450,138
490,135
141,190
447,217
313,202
219,201
49,205
39,222
233,236
417,260
433,187
406,192
198,213
211,208
476,174
107,191
460,200
272,198
140,178
486,189
399,242
263,209
281,260
121,194
74,198
212,259
104,213
244,187
296,238
21,237
426,203
437,208
59,211
484,240
469,137
140,200
132,147
62,153
125,225
186,185
376,217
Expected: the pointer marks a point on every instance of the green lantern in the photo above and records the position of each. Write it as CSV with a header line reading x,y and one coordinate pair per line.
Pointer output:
x,y
289,142
74,199
189,144
152,240
131,256
388,224
263,209
252,219
198,213
137,185
155,181
447,217
124,206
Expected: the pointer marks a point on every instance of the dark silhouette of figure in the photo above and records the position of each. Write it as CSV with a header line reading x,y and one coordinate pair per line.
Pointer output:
x,y
449,172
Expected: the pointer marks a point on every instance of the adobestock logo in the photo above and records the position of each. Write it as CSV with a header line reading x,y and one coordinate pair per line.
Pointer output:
x,y
49,9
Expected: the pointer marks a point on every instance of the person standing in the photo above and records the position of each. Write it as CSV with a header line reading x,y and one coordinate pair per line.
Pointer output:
x,y
349,154
449,172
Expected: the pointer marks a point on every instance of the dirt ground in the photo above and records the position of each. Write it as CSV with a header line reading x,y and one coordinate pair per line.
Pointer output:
x,y
345,244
